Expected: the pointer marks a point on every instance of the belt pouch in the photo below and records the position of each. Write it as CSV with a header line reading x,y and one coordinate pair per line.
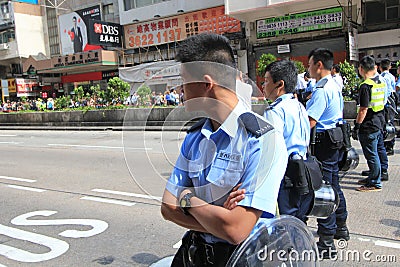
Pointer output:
x,y
335,137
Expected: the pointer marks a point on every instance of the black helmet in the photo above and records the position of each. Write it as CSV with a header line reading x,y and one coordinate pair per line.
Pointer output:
x,y
390,132
349,161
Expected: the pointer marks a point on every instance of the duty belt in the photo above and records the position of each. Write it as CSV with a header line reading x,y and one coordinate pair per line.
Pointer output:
x,y
320,136
209,254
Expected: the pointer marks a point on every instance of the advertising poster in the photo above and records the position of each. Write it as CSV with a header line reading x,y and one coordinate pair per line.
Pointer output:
x,y
179,27
105,33
27,87
73,30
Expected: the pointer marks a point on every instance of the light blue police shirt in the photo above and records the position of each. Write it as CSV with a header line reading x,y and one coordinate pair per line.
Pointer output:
x,y
310,85
390,82
213,162
289,117
326,104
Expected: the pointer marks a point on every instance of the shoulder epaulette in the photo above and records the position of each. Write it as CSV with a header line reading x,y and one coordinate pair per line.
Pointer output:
x,y
197,125
322,83
272,105
255,124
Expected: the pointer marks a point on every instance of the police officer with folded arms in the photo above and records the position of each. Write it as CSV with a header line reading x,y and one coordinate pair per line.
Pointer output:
x,y
232,148
325,109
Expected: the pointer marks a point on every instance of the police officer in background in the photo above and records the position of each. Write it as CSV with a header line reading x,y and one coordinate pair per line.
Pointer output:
x,y
289,117
390,100
335,72
231,149
325,109
370,121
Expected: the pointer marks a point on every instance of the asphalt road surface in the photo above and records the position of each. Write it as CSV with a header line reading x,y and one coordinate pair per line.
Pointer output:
x,y
92,198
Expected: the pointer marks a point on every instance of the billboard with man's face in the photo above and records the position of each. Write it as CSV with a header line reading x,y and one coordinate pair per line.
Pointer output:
x,y
74,28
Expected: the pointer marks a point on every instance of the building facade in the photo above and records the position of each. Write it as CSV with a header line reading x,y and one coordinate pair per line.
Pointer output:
x,y
37,33
291,29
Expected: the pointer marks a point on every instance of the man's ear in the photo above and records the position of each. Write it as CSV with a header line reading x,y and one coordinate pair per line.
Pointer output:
x,y
209,82
281,85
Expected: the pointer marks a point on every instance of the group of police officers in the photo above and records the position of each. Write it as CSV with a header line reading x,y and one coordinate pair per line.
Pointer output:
x,y
233,167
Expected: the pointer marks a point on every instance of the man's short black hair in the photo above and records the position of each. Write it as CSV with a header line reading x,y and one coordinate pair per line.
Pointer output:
x,y
336,68
324,55
284,70
367,63
385,64
209,47
206,47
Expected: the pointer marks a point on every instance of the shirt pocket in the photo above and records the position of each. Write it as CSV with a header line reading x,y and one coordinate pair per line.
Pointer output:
x,y
194,173
225,173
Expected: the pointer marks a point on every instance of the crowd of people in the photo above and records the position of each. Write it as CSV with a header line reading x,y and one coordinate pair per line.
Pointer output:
x,y
235,166
28,104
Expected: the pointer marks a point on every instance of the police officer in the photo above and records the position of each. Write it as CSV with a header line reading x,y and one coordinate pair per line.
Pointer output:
x,y
231,147
325,111
335,72
289,117
390,100
370,121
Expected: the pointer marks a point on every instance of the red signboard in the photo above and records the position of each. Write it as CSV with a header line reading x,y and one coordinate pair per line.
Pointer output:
x,y
26,87
179,27
82,77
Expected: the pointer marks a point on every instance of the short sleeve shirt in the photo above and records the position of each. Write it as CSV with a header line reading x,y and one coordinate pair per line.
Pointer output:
x,y
289,117
213,162
373,121
326,104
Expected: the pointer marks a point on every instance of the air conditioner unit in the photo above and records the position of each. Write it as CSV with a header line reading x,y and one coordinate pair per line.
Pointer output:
x,y
4,46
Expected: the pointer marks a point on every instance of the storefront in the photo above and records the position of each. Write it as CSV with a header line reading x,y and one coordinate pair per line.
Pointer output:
x,y
82,69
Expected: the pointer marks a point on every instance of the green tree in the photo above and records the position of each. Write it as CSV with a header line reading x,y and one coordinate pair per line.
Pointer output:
x,y
62,102
117,89
350,80
263,62
299,65
79,92
144,93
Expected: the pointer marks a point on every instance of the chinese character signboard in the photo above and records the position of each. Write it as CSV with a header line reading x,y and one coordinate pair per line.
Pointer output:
x,y
74,28
105,33
27,87
177,28
302,22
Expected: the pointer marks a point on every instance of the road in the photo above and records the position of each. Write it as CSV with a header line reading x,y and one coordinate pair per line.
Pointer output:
x,y
92,198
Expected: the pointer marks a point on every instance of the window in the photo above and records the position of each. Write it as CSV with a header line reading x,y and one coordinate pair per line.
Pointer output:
x,y
382,11
392,9
131,4
108,9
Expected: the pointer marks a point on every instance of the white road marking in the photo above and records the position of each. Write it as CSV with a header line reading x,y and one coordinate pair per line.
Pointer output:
x,y
364,239
111,201
27,188
387,244
7,135
177,245
126,194
110,147
17,179
165,262
55,246
11,143
96,225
